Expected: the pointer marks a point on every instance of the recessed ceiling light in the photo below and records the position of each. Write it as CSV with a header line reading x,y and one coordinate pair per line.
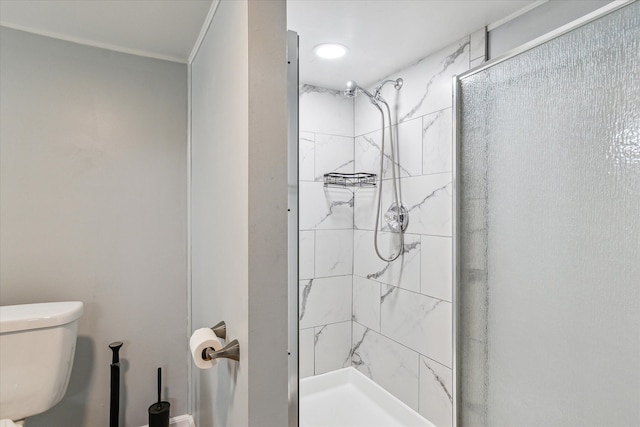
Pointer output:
x,y
330,50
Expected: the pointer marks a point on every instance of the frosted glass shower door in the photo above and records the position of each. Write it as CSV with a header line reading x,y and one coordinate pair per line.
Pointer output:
x,y
548,226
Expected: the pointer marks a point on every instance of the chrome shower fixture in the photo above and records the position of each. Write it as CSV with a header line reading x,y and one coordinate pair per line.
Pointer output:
x,y
397,84
397,216
352,89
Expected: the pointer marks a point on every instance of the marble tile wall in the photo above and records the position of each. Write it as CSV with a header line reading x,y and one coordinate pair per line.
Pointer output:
x,y
326,231
402,311
392,321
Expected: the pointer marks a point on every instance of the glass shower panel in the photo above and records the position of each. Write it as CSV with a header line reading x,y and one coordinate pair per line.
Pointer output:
x,y
549,232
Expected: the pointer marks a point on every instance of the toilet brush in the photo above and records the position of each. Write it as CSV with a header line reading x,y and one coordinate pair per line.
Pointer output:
x,y
159,411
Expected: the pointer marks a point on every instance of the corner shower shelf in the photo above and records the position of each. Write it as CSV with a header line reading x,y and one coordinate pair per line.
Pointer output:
x,y
358,179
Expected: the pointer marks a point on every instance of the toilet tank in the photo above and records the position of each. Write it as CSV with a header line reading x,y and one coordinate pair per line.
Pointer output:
x,y
37,346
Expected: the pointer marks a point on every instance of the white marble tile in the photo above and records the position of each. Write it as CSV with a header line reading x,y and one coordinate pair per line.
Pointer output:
x,y
333,154
306,353
306,249
478,41
403,272
325,208
436,278
325,111
427,88
365,205
409,144
408,151
334,253
436,391
366,302
420,322
437,131
325,300
306,156
332,347
428,199
367,153
367,117
391,365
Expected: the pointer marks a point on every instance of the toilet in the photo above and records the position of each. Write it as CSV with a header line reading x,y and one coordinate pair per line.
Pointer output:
x,y
37,346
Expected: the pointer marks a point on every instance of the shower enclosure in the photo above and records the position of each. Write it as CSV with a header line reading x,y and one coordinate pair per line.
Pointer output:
x,y
548,243
389,322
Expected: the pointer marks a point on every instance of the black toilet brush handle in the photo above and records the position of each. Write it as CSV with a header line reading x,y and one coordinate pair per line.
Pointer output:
x,y
159,384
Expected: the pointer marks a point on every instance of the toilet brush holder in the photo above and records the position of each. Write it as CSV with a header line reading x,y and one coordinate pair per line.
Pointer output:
x,y
159,411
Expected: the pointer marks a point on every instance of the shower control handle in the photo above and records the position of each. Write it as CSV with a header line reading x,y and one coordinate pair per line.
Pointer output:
x,y
397,218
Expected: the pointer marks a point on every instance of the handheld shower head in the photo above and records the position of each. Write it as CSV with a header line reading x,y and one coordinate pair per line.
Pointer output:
x,y
351,90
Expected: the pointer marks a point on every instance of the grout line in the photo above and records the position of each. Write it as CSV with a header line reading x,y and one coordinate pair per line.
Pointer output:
x,y
327,134
407,121
315,141
351,326
422,140
435,361
326,324
404,289
420,277
370,230
404,345
419,176
314,351
379,306
315,278
314,252
419,376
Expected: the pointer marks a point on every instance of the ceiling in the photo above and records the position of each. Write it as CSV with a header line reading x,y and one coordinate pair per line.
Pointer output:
x,y
383,36
165,29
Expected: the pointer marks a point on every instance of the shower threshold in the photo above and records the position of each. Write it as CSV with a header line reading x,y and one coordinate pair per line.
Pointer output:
x,y
348,398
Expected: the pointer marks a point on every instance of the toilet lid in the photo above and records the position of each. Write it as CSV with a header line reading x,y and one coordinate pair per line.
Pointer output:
x,y
14,318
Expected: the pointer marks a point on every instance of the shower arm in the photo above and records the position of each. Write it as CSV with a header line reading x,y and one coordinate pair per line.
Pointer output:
x,y
397,84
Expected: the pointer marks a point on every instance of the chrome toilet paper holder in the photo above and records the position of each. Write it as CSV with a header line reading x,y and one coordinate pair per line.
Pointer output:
x,y
229,351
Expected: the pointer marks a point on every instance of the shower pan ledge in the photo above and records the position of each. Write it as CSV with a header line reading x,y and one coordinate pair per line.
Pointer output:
x,y
348,398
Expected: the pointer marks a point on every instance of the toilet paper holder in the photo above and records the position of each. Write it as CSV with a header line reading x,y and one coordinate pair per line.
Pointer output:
x,y
220,329
229,351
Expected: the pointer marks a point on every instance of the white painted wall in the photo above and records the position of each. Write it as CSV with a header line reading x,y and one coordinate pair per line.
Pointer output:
x,y
219,209
268,258
239,212
93,207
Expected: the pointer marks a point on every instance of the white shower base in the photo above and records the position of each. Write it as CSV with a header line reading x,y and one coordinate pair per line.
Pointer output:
x,y
347,398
